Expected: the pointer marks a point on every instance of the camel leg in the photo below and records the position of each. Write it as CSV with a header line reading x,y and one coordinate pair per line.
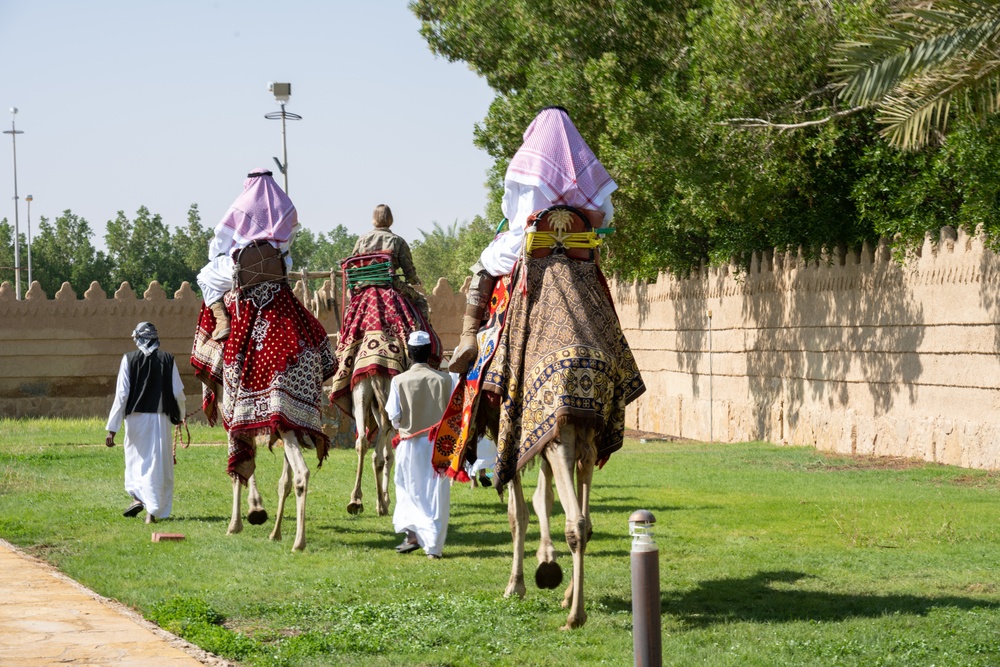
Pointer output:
x,y
390,458
384,455
236,522
548,574
562,457
584,480
517,514
295,459
378,467
284,489
361,396
256,514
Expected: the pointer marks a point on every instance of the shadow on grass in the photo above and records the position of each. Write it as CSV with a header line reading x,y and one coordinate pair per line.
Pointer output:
x,y
756,599
204,519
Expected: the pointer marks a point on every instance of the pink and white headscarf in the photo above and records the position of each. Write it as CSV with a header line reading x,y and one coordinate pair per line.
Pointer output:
x,y
262,213
555,159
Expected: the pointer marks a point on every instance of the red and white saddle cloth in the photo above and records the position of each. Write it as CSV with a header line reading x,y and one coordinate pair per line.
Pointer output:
x,y
270,371
377,322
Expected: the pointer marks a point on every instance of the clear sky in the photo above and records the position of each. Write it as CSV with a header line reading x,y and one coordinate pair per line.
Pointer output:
x,y
125,103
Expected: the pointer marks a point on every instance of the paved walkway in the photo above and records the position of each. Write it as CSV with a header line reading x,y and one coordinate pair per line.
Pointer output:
x,y
47,618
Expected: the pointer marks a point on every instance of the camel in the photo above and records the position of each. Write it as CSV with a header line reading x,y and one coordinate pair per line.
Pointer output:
x,y
562,353
371,348
294,474
368,398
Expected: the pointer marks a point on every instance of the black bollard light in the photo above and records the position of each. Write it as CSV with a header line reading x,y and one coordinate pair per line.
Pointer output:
x,y
646,637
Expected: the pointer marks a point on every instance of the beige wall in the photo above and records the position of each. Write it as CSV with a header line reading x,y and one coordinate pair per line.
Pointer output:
x,y
857,354
60,356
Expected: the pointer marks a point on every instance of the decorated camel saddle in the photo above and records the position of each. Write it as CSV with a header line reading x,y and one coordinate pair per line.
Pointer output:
x,y
267,375
550,348
376,324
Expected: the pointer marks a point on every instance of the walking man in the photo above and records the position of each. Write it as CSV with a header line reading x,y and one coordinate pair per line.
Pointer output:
x,y
417,399
149,395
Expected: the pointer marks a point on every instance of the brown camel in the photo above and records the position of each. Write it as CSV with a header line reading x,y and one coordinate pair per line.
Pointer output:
x,y
368,398
573,450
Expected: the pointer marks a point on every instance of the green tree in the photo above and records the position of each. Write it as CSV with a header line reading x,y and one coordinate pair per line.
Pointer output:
x,y
919,61
141,251
434,255
303,248
63,251
331,247
7,253
321,252
664,91
190,248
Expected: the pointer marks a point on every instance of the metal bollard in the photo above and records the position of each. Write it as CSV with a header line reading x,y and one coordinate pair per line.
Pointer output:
x,y
646,637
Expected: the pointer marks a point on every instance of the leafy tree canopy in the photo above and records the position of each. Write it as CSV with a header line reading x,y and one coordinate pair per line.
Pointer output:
x,y
711,116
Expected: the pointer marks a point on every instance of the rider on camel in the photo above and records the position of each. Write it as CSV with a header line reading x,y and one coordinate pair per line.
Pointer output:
x,y
553,166
269,362
538,290
381,240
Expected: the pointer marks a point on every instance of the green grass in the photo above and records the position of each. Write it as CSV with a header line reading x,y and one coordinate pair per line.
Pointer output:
x,y
768,556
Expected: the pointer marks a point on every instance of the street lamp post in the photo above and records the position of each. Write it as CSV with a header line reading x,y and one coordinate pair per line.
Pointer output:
x,y
282,91
13,132
29,199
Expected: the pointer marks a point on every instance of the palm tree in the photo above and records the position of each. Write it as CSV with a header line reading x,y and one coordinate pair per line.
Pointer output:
x,y
929,58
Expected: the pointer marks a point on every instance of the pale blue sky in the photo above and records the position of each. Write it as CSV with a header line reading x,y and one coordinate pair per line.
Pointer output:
x,y
139,102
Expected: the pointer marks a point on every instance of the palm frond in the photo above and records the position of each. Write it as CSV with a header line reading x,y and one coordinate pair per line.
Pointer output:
x,y
918,108
928,56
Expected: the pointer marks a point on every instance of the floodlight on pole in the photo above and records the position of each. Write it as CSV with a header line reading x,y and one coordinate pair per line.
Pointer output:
x,y
29,199
13,132
282,92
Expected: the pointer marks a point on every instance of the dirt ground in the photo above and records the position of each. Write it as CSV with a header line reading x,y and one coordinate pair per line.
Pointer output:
x,y
47,619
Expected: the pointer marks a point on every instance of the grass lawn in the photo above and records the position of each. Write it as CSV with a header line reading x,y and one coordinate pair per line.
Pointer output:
x,y
768,556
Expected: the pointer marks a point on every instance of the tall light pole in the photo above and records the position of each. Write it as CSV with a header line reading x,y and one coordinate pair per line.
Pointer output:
x,y
13,132
29,199
282,91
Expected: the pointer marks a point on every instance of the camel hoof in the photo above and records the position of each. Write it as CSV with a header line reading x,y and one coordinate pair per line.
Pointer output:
x,y
234,528
515,588
256,517
573,623
548,575
355,508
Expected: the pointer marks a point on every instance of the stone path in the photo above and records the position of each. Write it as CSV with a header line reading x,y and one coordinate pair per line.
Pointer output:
x,y
47,619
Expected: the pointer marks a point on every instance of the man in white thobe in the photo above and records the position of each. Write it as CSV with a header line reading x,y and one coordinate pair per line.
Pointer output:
x,y
417,399
148,393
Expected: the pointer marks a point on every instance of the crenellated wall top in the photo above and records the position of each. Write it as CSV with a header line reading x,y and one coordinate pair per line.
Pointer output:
x,y
66,302
954,257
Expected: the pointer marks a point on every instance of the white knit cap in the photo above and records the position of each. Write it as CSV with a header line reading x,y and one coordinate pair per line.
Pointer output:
x,y
418,338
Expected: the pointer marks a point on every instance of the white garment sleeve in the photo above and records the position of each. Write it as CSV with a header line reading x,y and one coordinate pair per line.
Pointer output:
x,y
609,210
519,202
121,398
178,387
216,278
393,409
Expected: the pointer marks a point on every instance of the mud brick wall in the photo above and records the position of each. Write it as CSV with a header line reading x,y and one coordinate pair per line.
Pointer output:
x,y
855,353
